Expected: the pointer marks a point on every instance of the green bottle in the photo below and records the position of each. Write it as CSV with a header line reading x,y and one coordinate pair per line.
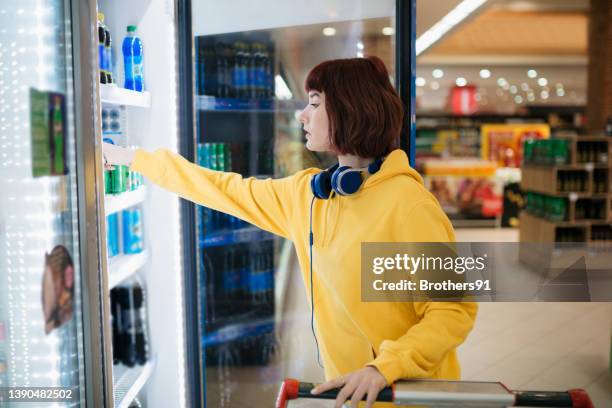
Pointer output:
x,y
58,137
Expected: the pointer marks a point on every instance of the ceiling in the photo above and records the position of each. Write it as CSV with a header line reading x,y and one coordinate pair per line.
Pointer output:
x,y
507,37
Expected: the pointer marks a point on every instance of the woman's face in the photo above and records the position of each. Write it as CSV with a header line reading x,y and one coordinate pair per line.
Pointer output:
x,y
316,123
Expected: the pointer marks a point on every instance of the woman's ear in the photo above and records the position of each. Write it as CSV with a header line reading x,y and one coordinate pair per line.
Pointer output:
x,y
69,277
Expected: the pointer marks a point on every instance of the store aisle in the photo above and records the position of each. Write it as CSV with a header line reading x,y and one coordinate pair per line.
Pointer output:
x,y
541,346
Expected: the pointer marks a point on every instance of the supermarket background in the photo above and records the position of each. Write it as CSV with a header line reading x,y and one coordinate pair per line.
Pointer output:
x,y
169,304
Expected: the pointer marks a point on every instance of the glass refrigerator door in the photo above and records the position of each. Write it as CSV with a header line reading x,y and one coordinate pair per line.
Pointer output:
x,y
251,60
41,332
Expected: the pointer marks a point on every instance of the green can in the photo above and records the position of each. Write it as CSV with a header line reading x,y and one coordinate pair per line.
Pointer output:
x,y
128,178
227,155
108,187
558,208
560,151
528,151
213,156
118,180
220,156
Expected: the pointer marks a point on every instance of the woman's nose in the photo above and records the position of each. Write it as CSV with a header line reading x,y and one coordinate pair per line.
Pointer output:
x,y
302,116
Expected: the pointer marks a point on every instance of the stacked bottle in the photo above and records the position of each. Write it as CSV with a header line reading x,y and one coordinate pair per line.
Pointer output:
x,y
105,55
572,181
215,156
600,181
601,233
592,152
130,340
238,69
590,209
569,235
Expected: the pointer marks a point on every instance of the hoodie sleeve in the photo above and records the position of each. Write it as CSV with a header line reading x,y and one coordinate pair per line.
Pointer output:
x,y
264,203
442,326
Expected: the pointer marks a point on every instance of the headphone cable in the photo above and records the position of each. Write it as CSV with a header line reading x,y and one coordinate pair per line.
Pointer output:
x,y
311,240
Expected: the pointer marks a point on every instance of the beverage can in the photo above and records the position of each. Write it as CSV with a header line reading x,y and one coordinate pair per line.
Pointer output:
x,y
220,156
112,235
132,231
227,154
212,154
117,180
206,155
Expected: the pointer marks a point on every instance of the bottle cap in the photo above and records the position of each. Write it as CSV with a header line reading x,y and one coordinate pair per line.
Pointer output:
x,y
131,28
101,17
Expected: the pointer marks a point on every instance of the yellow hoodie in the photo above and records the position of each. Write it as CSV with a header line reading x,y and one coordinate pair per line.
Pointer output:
x,y
403,340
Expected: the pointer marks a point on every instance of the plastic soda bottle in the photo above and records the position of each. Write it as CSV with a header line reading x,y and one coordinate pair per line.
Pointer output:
x,y
132,59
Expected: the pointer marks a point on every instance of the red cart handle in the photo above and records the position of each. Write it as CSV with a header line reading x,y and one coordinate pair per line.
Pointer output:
x,y
575,398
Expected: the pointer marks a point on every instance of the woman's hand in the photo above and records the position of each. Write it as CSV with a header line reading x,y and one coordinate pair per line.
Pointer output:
x,y
116,155
355,386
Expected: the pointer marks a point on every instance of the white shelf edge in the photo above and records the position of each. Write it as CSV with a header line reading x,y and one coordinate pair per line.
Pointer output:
x,y
119,202
116,95
141,379
123,266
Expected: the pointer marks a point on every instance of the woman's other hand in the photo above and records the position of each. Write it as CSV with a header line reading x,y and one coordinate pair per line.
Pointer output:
x,y
355,386
116,155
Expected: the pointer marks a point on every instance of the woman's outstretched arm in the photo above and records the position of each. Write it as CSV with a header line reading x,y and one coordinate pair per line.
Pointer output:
x,y
265,203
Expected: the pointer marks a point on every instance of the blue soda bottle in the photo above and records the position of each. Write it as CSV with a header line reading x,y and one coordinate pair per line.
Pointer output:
x,y
132,59
101,44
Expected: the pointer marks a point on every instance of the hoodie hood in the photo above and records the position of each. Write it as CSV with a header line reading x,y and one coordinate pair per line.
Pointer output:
x,y
396,163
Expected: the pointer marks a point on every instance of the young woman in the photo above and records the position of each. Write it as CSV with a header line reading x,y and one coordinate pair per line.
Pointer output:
x,y
354,112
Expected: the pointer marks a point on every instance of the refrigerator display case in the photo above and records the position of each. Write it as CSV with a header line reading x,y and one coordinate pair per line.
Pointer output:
x,y
246,92
91,283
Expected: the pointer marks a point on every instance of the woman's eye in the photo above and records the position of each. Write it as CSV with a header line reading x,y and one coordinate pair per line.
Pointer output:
x,y
314,105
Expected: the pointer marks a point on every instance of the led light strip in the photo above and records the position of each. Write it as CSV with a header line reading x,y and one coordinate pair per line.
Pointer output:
x,y
176,222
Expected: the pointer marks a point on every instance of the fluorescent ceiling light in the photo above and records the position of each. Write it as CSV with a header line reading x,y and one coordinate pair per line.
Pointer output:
x,y
281,89
329,31
437,73
388,31
446,23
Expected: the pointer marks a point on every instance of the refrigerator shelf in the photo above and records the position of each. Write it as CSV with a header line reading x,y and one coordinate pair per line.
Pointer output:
x,y
212,103
237,331
116,95
128,381
236,236
119,202
123,266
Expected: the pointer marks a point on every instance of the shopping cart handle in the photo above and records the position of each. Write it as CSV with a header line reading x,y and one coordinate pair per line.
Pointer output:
x,y
430,393
293,389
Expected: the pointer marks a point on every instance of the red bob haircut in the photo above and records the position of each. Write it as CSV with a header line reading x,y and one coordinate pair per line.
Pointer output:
x,y
365,113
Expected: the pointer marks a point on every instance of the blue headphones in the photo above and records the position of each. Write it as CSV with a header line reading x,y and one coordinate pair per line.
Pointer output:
x,y
344,180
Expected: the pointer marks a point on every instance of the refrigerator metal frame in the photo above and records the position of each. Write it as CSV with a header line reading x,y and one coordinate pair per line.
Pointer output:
x,y
196,375
92,232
